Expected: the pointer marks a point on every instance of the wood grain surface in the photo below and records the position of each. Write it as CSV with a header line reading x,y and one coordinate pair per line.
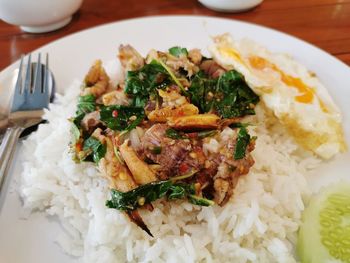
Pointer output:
x,y
324,23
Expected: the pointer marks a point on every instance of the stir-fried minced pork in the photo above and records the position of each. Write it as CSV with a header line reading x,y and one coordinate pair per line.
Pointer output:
x,y
229,169
175,157
212,68
173,62
222,171
91,121
176,63
164,130
178,156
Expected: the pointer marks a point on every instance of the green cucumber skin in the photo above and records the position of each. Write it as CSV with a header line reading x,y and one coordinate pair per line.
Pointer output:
x,y
309,246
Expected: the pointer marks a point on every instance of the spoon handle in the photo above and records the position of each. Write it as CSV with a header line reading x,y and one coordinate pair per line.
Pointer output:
x,y
7,149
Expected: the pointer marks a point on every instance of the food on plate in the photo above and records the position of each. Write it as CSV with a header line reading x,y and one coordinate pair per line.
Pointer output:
x,y
149,134
324,235
294,94
206,154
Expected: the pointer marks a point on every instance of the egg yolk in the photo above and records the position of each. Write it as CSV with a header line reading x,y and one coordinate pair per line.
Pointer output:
x,y
230,52
306,93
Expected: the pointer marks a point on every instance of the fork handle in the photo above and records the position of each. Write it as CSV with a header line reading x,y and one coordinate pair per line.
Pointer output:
x,y
7,149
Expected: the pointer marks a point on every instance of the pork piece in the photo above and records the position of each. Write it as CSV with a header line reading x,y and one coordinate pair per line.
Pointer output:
x,y
172,96
211,68
117,173
175,157
150,106
115,97
173,62
141,172
195,56
130,58
96,81
176,64
230,170
91,121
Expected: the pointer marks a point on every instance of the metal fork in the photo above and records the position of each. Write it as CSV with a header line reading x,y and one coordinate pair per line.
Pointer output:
x,y
30,97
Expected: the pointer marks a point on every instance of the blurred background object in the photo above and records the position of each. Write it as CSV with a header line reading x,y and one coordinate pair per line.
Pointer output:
x,y
324,23
38,16
230,5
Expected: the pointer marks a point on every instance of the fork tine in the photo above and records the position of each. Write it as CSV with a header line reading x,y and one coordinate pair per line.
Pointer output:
x,y
46,75
18,87
28,76
37,86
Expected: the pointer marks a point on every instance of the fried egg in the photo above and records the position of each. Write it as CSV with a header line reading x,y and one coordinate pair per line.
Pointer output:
x,y
295,95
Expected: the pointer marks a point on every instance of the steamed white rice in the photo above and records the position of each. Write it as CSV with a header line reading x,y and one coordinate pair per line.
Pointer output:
x,y
259,224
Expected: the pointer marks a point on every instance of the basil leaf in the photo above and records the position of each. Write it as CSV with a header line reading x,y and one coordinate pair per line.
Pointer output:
x,y
197,200
229,95
204,134
86,104
77,119
121,118
237,97
97,149
201,91
129,201
173,77
143,83
173,134
156,150
177,192
178,51
75,132
242,143
240,125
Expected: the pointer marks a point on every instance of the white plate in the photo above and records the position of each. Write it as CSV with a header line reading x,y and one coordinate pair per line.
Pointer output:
x,y
70,57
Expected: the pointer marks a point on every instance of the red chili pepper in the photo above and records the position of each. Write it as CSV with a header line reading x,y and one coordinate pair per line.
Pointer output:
x,y
183,168
193,134
115,113
78,147
180,113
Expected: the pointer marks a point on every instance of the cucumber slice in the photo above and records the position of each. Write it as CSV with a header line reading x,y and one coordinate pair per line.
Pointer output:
x,y
324,235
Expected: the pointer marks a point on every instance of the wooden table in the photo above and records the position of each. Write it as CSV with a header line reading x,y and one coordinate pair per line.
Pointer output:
x,y
324,23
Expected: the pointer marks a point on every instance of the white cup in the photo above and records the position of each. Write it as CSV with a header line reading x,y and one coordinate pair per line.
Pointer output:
x,y
230,5
38,16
